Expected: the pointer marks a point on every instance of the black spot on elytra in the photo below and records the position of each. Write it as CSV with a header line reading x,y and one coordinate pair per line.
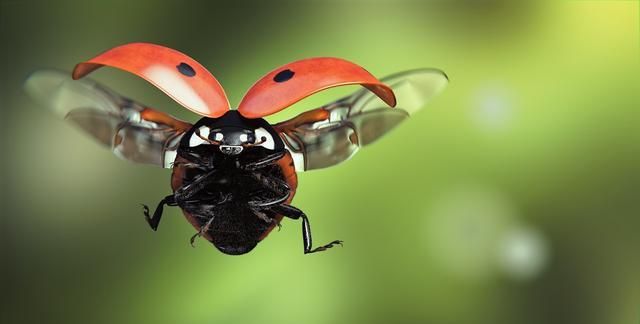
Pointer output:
x,y
283,75
186,69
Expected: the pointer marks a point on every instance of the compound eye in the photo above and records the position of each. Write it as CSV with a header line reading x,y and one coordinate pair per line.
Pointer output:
x,y
218,137
244,138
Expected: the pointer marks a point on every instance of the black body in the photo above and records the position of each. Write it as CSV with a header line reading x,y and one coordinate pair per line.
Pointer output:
x,y
233,190
231,204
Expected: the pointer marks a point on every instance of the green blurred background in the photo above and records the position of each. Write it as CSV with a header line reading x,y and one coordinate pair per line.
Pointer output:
x,y
512,199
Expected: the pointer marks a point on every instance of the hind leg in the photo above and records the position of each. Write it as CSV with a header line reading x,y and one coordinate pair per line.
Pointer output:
x,y
265,218
272,184
295,213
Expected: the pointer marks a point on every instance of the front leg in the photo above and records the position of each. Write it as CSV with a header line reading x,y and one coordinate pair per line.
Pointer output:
x,y
295,213
191,165
261,163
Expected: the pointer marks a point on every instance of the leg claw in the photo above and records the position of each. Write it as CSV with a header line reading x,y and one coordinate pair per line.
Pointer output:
x,y
192,240
145,209
325,247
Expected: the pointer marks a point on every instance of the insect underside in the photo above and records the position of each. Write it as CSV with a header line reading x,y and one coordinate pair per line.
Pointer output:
x,y
233,205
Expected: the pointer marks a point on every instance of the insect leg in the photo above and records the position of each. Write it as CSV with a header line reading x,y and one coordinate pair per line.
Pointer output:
x,y
267,160
203,229
295,213
268,203
266,218
154,221
189,190
191,165
274,185
205,208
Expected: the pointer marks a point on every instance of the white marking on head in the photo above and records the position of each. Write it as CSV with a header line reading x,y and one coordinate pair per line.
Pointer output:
x,y
204,131
196,140
269,142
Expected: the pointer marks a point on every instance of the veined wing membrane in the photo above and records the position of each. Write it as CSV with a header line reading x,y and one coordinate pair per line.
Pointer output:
x,y
132,131
334,133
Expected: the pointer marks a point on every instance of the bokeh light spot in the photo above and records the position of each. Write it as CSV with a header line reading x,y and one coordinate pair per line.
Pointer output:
x,y
492,107
464,227
524,253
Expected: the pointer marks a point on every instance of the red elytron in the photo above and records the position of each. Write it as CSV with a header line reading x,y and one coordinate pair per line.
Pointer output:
x,y
234,174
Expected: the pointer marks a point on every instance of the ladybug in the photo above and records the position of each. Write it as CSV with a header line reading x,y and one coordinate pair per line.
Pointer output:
x,y
233,173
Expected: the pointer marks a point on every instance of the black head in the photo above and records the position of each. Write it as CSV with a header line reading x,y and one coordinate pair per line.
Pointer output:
x,y
233,134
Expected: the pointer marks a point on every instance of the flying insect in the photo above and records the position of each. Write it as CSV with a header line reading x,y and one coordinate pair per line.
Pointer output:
x,y
234,173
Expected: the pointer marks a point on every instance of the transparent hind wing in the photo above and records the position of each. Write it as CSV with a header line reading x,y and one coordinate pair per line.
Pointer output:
x,y
332,134
132,131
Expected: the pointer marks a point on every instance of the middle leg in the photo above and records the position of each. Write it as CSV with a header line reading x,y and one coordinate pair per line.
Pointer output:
x,y
274,185
154,220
